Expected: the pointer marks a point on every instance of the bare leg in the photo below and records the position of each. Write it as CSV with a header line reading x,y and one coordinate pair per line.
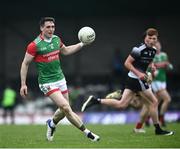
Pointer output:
x,y
59,114
144,113
152,104
63,104
166,99
121,104
164,95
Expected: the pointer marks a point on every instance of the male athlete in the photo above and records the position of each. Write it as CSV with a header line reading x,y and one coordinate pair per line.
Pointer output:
x,y
159,85
45,50
137,63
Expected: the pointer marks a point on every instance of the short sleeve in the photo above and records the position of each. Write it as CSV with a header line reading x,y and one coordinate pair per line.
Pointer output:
x,y
164,56
61,43
31,49
135,53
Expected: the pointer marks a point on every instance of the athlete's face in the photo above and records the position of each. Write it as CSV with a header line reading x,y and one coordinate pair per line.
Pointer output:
x,y
158,46
150,41
48,29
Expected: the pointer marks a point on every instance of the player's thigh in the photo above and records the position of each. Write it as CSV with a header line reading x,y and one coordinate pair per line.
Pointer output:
x,y
145,110
164,95
144,100
127,96
149,96
59,99
136,101
66,95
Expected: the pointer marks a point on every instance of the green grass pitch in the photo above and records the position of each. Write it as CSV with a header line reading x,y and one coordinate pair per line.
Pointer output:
x,y
66,136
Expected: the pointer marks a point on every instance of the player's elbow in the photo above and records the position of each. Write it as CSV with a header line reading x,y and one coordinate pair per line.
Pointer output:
x,y
25,64
65,50
127,65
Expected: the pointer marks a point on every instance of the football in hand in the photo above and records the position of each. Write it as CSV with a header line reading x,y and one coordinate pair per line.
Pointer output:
x,y
86,35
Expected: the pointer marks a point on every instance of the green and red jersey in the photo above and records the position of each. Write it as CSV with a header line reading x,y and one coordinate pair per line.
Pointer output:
x,y
161,72
46,58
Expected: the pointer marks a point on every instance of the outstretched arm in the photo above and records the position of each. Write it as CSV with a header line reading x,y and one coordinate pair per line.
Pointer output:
x,y
67,50
23,73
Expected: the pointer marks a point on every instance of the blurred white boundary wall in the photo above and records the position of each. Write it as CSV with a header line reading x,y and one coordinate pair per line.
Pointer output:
x,y
104,118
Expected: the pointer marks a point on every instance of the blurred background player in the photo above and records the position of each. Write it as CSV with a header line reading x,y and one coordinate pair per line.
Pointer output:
x,y
45,50
137,81
8,104
159,85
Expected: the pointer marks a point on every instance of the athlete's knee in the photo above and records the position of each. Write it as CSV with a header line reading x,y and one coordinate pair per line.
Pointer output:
x,y
66,108
59,114
168,100
155,103
122,105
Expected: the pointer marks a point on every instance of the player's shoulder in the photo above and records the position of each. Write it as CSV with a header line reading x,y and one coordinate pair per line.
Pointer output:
x,y
139,47
31,45
163,53
55,36
37,40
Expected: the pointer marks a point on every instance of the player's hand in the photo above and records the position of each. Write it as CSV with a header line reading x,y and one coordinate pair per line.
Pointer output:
x,y
148,78
170,66
82,44
23,91
141,76
153,67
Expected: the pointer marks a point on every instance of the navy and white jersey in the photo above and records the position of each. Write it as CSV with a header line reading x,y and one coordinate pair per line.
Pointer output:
x,y
143,56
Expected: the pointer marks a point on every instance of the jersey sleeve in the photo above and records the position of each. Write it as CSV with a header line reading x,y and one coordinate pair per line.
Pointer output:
x,y
164,56
135,53
61,42
31,49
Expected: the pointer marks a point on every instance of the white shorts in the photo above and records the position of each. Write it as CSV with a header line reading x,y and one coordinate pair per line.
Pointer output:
x,y
158,85
49,88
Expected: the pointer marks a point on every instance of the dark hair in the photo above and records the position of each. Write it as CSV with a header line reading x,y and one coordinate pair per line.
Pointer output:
x,y
45,19
150,32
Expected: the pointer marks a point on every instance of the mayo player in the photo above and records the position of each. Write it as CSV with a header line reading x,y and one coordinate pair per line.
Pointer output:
x,y
44,51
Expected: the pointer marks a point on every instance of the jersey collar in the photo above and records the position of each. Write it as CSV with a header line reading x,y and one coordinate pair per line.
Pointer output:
x,y
46,40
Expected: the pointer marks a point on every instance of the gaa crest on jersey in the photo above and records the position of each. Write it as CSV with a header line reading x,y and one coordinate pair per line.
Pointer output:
x,y
45,88
48,88
43,48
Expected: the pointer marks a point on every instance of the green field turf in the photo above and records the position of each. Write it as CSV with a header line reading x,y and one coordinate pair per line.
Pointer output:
x,y
112,136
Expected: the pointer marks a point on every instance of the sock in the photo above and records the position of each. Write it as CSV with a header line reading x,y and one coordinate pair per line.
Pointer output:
x,y
139,125
82,128
161,119
157,127
55,122
52,124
